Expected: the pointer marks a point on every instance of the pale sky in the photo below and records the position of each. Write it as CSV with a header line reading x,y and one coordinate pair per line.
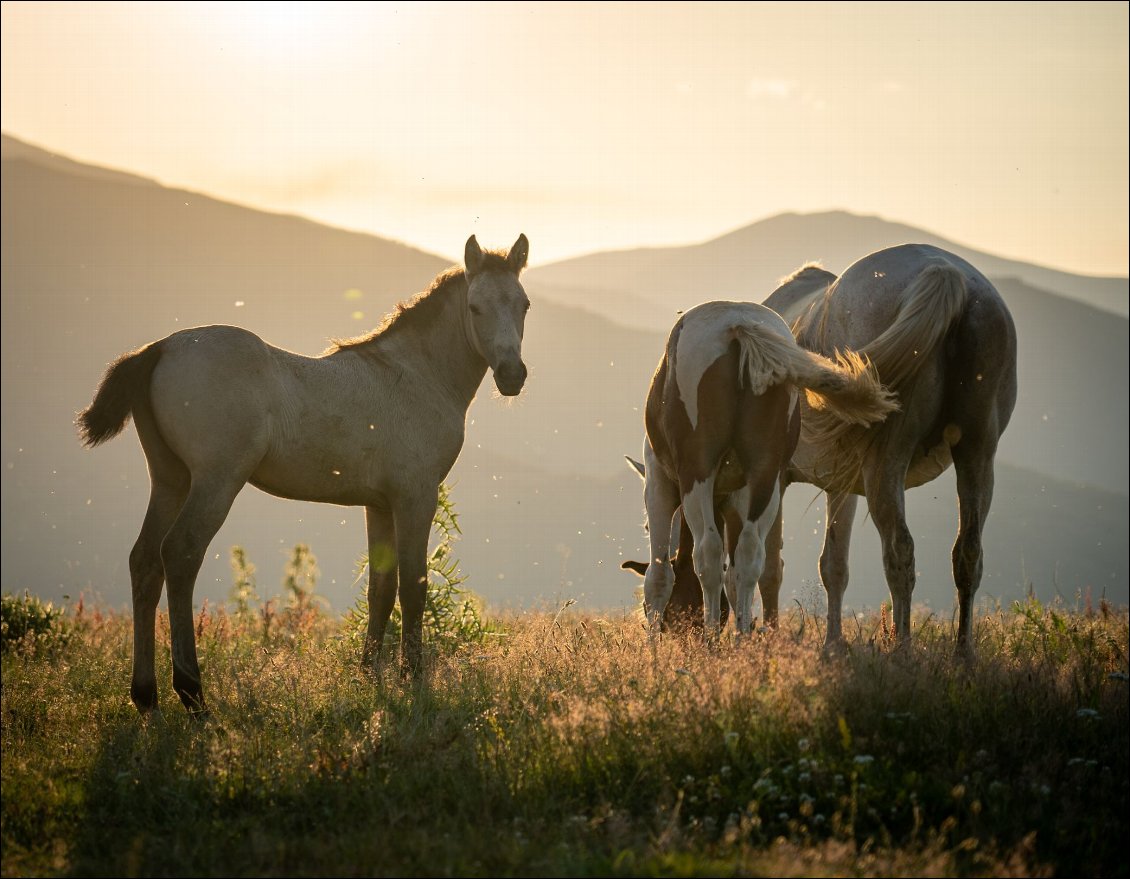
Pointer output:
x,y
1002,126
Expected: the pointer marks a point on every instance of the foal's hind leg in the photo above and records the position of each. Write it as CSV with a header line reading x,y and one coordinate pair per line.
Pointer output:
x,y
382,580
973,462
169,481
204,511
147,574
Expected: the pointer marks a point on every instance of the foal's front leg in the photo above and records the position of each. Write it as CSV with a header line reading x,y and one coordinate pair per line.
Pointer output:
x,y
382,581
413,526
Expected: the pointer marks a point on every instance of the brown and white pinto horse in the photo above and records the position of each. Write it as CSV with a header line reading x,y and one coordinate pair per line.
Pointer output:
x,y
722,419
941,338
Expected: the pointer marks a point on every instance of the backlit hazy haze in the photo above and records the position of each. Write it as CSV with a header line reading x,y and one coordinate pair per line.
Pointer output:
x,y
597,126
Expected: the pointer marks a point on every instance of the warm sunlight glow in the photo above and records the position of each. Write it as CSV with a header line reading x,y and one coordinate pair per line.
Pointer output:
x,y
282,30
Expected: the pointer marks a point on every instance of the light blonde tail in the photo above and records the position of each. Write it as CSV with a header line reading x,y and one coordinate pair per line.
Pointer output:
x,y
930,305
847,388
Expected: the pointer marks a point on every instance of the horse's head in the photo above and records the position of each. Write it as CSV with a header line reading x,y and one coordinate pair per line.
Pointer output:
x,y
497,307
684,607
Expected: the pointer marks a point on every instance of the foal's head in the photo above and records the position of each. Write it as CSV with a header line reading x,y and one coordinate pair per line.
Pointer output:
x,y
498,307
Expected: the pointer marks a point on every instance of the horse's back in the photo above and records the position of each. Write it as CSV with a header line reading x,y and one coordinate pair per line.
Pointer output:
x,y
708,327
211,394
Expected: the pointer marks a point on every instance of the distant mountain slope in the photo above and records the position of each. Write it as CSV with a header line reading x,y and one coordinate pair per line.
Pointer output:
x,y
748,263
94,265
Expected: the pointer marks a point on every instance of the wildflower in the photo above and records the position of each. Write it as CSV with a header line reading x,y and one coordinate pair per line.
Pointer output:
x,y
863,759
803,744
1086,712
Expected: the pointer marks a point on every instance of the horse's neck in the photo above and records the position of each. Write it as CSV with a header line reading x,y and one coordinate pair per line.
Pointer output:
x,y
442,348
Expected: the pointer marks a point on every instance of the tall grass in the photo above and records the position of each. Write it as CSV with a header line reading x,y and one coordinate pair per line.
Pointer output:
x,y
568,744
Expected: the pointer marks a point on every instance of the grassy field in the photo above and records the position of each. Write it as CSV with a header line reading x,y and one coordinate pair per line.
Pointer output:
x,y
568,745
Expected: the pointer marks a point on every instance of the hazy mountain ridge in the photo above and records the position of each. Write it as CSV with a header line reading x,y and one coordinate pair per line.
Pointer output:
x,y
748,263
94,266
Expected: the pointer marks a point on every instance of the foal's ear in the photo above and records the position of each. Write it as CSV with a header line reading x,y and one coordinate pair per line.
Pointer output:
x,y
637,466
639,567
518,255
472,256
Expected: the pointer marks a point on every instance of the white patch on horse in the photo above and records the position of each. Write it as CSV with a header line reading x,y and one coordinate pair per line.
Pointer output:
x,y
698,509
703,340
749,562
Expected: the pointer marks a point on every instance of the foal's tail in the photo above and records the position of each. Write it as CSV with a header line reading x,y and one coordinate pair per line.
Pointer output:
x,y
847,387
122,389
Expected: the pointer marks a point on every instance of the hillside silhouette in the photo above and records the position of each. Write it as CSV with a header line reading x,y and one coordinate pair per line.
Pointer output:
x,y
98,262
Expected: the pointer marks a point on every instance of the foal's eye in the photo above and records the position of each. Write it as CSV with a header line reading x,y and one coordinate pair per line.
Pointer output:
x,y
476,310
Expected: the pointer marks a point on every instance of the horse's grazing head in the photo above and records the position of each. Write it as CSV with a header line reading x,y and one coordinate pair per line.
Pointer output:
x,y
683,611
497,307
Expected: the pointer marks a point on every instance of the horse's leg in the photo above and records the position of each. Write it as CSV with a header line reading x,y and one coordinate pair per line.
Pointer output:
x,y
147,575
884,483
382,580
732,513
168,488
182,552
413,517
773,572
698,510
749,555
660,500
973,463
839,517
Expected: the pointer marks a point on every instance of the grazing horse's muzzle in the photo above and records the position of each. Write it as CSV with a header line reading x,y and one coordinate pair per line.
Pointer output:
x,y
509,377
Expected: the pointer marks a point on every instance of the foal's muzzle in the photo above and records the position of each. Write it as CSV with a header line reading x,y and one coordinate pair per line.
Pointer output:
x,y
509,378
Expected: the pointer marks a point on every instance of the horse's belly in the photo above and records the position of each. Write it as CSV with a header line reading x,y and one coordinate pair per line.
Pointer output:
x,y
816,467
331,482
935,461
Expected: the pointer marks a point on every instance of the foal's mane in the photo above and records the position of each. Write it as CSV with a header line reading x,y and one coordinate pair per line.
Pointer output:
x,y
423,307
